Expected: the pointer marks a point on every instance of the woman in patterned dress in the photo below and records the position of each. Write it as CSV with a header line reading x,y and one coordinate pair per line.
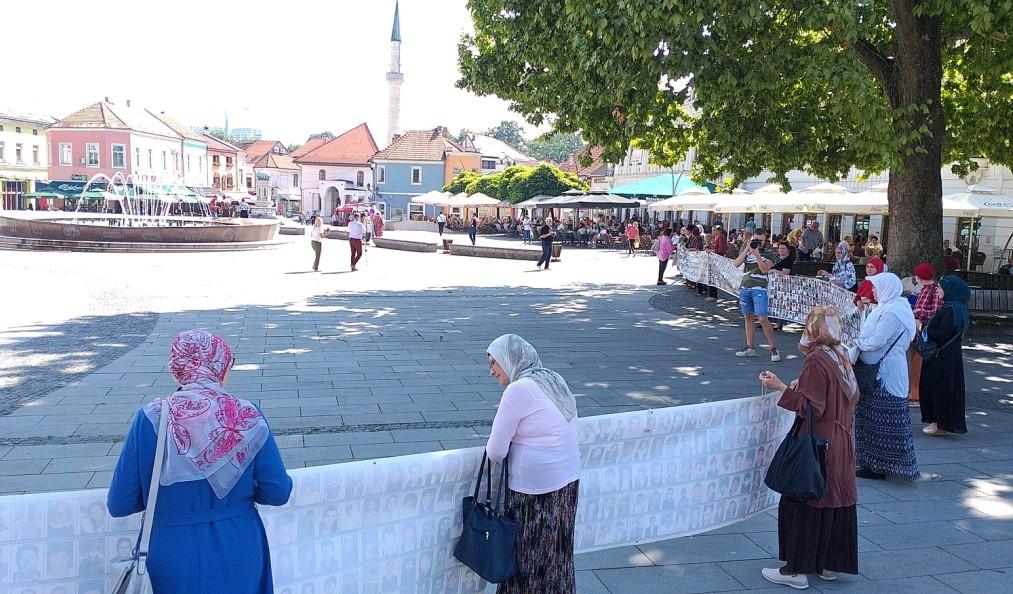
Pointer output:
x,y
536,423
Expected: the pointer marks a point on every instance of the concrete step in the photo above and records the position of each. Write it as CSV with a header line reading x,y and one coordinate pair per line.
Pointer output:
x,y
33,244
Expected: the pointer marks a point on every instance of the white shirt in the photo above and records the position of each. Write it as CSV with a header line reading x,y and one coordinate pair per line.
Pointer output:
x,y
527,224
355,230
440,218
544,449
316,234
873,342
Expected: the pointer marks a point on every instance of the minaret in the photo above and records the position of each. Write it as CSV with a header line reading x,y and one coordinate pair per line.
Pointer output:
x,y
394,79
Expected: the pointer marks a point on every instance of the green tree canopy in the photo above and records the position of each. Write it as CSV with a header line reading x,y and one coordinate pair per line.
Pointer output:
x,y
326,135
517,183
554,146
821,87
509,132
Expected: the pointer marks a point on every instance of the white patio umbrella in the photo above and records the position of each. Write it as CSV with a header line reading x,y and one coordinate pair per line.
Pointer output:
x,y
431,198
977,202
476,199
698,198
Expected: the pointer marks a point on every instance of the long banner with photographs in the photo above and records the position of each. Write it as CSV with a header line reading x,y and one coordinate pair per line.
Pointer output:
x,y
389,525
791,298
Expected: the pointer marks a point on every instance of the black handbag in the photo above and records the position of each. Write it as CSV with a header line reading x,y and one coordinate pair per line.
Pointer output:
x,y
799,467
865,373
927,348
488,543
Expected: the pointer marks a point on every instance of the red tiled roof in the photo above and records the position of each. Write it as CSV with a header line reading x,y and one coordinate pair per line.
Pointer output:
x,y
421,145
96,115
354,147
259,148
572,163
275,161
311,144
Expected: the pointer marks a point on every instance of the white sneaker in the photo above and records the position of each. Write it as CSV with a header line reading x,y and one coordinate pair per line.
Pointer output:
x,y
827,575
746,352
774,355
799,582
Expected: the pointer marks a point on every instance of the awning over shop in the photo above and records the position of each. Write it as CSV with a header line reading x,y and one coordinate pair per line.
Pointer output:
x,y
60,189
662,186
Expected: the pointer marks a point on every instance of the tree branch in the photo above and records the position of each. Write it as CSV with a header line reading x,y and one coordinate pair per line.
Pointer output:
x,y
876,63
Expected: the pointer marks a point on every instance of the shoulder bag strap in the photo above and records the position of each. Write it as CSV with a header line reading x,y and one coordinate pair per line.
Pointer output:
x,y
156,477
892,344
503,491
488,483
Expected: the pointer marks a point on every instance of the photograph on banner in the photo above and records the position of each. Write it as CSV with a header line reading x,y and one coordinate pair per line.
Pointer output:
x,y
692,265
390,524
723,274
793,297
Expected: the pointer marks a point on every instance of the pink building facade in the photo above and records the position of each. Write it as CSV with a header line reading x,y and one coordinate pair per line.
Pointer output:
x,y
78,154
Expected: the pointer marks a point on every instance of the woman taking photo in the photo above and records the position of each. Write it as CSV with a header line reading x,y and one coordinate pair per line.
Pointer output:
x,y
883,440
942,378
221,460
820,536
537,424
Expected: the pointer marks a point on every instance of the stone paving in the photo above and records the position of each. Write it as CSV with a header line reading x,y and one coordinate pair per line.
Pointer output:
x,y
391,361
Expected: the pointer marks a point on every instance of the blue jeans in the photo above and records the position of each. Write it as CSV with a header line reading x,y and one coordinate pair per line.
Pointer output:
x,y
471,234
753,301
526,234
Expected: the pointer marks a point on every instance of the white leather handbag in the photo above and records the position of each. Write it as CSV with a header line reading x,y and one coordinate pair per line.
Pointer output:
x,y
134,578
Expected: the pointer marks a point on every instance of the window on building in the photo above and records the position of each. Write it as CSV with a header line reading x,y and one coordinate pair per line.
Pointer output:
x,y
228,161
360,178
119,156
189,164
416,176
66,154
200,164
91,154
1,127
488,164
215,160
295,180
17,153
381,174
322,175
416,212
17,129
217,182
165,161
228,182
151,162
35,132
249,183
35,154
137,157
3,157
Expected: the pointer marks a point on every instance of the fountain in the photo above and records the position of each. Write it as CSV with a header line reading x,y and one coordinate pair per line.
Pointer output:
x,y
135,211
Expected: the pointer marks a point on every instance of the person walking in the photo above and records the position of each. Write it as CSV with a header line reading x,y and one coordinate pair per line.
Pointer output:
x,y
942,378
546,234
820,536
317,233
927,303
753,299
632,236
221,463
665,250
441,222
355,232
883,440
473,229
536,424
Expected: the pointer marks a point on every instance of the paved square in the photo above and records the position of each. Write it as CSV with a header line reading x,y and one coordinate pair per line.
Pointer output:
x,y
391,360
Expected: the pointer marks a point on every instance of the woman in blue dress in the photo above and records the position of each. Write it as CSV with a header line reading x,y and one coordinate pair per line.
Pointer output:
x,y
221,461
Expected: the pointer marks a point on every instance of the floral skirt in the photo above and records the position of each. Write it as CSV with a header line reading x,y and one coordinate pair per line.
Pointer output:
x,y
544,542
883,440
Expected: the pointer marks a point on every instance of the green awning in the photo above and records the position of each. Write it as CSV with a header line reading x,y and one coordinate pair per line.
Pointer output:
x,y
661,186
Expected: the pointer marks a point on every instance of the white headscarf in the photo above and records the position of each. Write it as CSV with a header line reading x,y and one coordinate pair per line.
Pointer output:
x,y
520,360
888,294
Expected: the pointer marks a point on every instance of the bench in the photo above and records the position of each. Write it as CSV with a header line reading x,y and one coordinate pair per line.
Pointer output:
x,y
482,251
810,268
991,304
404,245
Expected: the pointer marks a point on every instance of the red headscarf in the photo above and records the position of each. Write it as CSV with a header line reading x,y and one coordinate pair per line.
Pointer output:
x,y
925,271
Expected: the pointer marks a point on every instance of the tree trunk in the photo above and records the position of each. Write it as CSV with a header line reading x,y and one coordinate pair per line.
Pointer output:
x,y
915,190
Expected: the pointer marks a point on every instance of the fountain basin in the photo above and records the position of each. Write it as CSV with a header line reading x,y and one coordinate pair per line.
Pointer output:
x,y
112,228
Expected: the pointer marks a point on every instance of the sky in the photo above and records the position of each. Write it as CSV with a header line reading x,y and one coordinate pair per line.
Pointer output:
x,y
289,68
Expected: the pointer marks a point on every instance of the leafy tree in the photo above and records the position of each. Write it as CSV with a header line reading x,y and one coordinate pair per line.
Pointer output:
x,y
554,146
461,181
821,87
509,132
220,134
461,135
328,135
292,147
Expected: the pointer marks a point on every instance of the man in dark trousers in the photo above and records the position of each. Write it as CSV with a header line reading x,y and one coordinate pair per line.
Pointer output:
x,y
546,234
473,229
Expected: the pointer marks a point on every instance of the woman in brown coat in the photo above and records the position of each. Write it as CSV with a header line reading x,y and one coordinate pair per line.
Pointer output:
x,y
821,536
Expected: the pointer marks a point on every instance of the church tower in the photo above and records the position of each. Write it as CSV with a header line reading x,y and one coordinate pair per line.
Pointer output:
x,y
394,79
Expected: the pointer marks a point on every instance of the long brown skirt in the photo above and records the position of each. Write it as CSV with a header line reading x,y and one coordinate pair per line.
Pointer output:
x,y
812,539
544,542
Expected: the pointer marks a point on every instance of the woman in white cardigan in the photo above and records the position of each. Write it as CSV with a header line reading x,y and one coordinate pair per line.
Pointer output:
x,y
883,441
536,422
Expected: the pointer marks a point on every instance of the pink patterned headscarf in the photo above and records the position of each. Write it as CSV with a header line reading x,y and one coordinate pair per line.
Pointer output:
x,y
216,435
